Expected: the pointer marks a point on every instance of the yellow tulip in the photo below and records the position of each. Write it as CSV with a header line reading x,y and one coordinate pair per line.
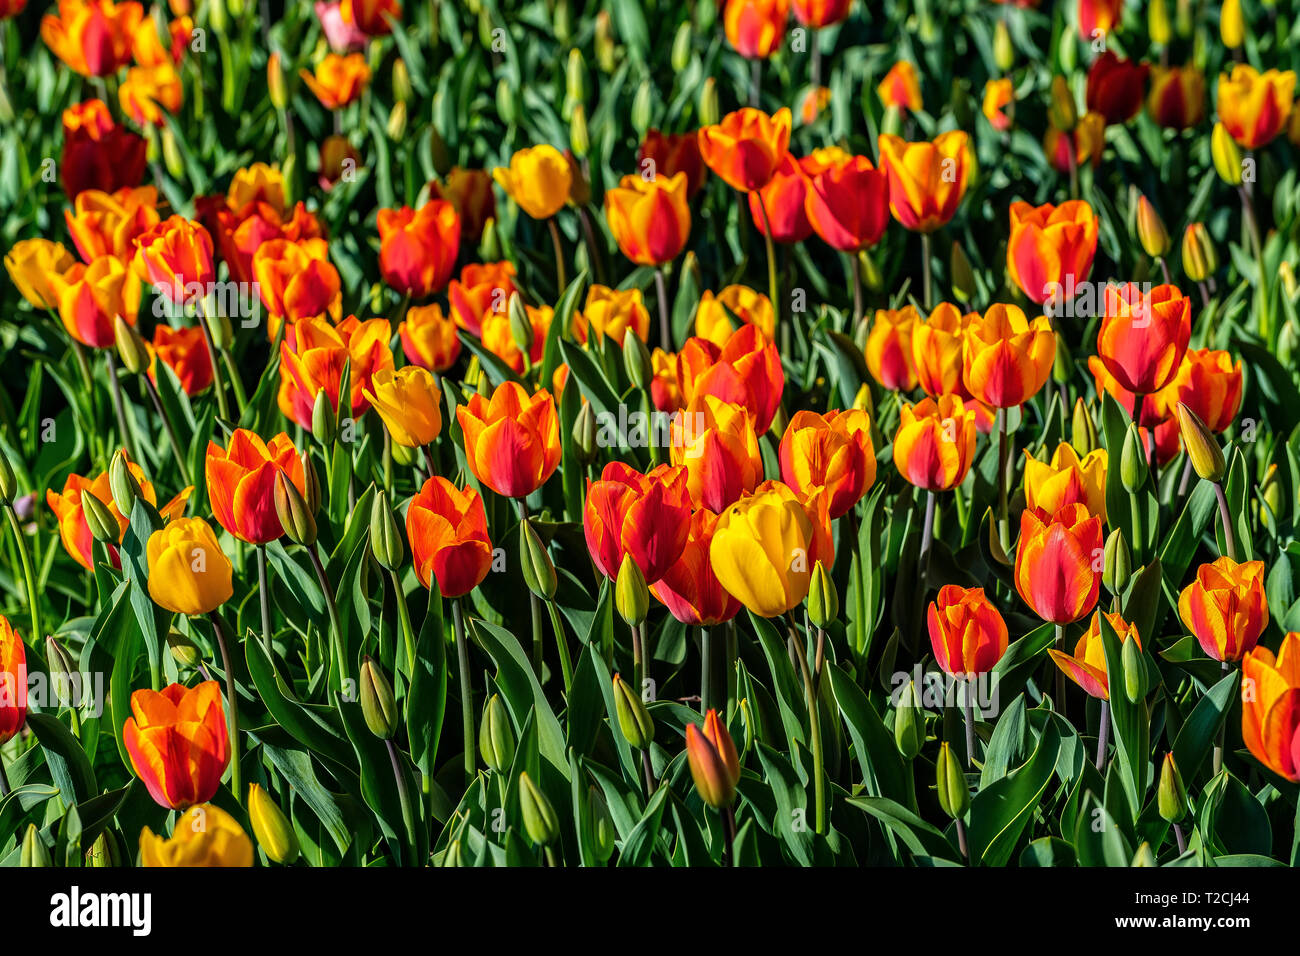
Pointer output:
x,y
31,262
407,401
188,572
205,835
538,179
1065,479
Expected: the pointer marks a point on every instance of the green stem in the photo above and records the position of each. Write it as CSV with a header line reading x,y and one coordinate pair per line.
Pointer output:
x,y
706,670
336,629
218,387
232,702
241,399
1004,453
560,277
1060,674
264,599
404,618
404,798
925,269
119,406
466,691
1225,519
29,579
172,440
562,645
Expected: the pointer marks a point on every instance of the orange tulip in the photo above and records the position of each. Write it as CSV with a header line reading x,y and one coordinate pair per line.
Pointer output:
x,y
967,633
429,338
746,148
371,17
649,218
676,373
175,257
1058,562
667,154
937,347
447,528
1098,16
1225,607
715,766
1270,717
470,193
1115,87
1209,383
93,37
901,88
1065,479
241,483
418,247
611,312
642,516
150,92
935,443
1177,97
92,297
13,682
242,228
783,199
338,79
297,280
1087,667
185,352
108,224
313,355
1007,358
178,742
848,204
482,288
1254,106
97,152
713,316
717,443
689,588
1051,248
1143,337
889,348
512,441
748,371
832,452
755,27
998,95
821,13
500,340
926,180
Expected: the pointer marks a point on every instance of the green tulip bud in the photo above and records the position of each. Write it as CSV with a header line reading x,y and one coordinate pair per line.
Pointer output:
x,y
1117,564
1202,447
599,826
584,435
963,274
636,360
106,851
183,650
385,537
1063,364
396,127
496,738
454,855
1226,155
1004,51
1144,856
633,716
401,81
377,703
575,76
34,852
539,569
122,485
103,526
1133,460
507,102
171,153
63,672
1083,430
909,723
1061,112
642,106
540,822
1171,795
708,104
311,483
324,419
579,138
1135,671
8,480
521,327
130,347
1200,258
631,596
823,599
681,55
954,798
299,524
275,834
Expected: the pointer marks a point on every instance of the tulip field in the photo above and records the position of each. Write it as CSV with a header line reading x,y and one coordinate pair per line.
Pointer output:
x,y
649,433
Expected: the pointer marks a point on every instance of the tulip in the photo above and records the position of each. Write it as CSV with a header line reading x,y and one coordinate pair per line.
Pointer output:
x,y
540,821
538,179
634,718
496,738
998,94
649,218
889,348
1051,248
1198,254
338,80
717,443
713,315
1087,667
747,371
1171,793
755,27
418,247
783,201
715,765
967,632
689,588
313,357
954,797
92,297
409,402
831,452
820,13
1209,383
371,17
1226,607
241,483
470,193
275,834
150,92
297,281
1087,141
935,443
632,601
1057,569
1007,358
13,681
178,743
936,344
108,224
512,441
32,264
612,313
1098,17
848,204
747,147
205,835
676,374
1177,97
186,353
93,37
97,152
1253,107
1115,87
1270,717
174,256
1065,480
1153,236
518,335
429,338
188,572
1143,337
926,180
667,154
900,88
447,528
645,517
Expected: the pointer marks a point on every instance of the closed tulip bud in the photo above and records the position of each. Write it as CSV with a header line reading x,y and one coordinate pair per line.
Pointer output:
x,y
606,48
823,599
99,519
642,106
636,360
455,855
1183,17
540,822
171,153
709,102
62,672
521,327
1232,25
1286,272
324,420
130,347
715,765
1061,113
1202,447
862,401
385,537
1226,155
539,570
401,81
1117,565
631,596
600,827
275,85
1200,260
584,435
954,798
1133,460
579,138
681,55
496,738
1004,51
377,703
311,483
183,650
506,101
1171,795
1151,230
8,480
298,522
1158,22
396,127
909,724
275,834
1144,856
106,851
562,21
575,76
1063,363
1083,430
122,485
35,852
1067,50
963,275
633,716
1135,671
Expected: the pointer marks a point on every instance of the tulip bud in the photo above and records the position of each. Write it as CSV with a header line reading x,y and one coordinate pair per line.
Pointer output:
x,y
1183,17
496,738
1288,340
681,55
715,766
171,153
1226,155
862,401
538,568
1144,856
275,834
105,851
63,672
636,360
749,724
1083,431
1117,565
1232,26
275,85
1061,112
642,105
562,21
870,272
1202,447
8,480
1171,795
122,485
954,798
377,703
396,127
291,508
1158,22
606,49
103,526
1135,671
1200,260
600,826
584,434
324,420
183,650
709,102
575,76
1067,50
631,596
909,723
1151,230
1063,364
506,102
521,329
130,347
823,599
1004,51
540,822
1133,460
579,138
1270,493
633,716
455,855
385,537
311,483
962,274
401,81
441,156
1286,272
34,852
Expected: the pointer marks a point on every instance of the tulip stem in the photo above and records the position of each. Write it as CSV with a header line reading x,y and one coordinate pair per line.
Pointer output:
x,y
1225,518
638,665
1182,841
1004,452
217,385
732,651
771,275
815,741
961,839
336,629
855,283
404,618
559,255
241,399
968,713
648,769
428,460
561,645
729,831
1222,738
403,797
665,329
169,428
927,540
755,82
597,259
1103,735
925,270
29,579
1060,674
466,691
706,670
264,598
232,700
119,406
